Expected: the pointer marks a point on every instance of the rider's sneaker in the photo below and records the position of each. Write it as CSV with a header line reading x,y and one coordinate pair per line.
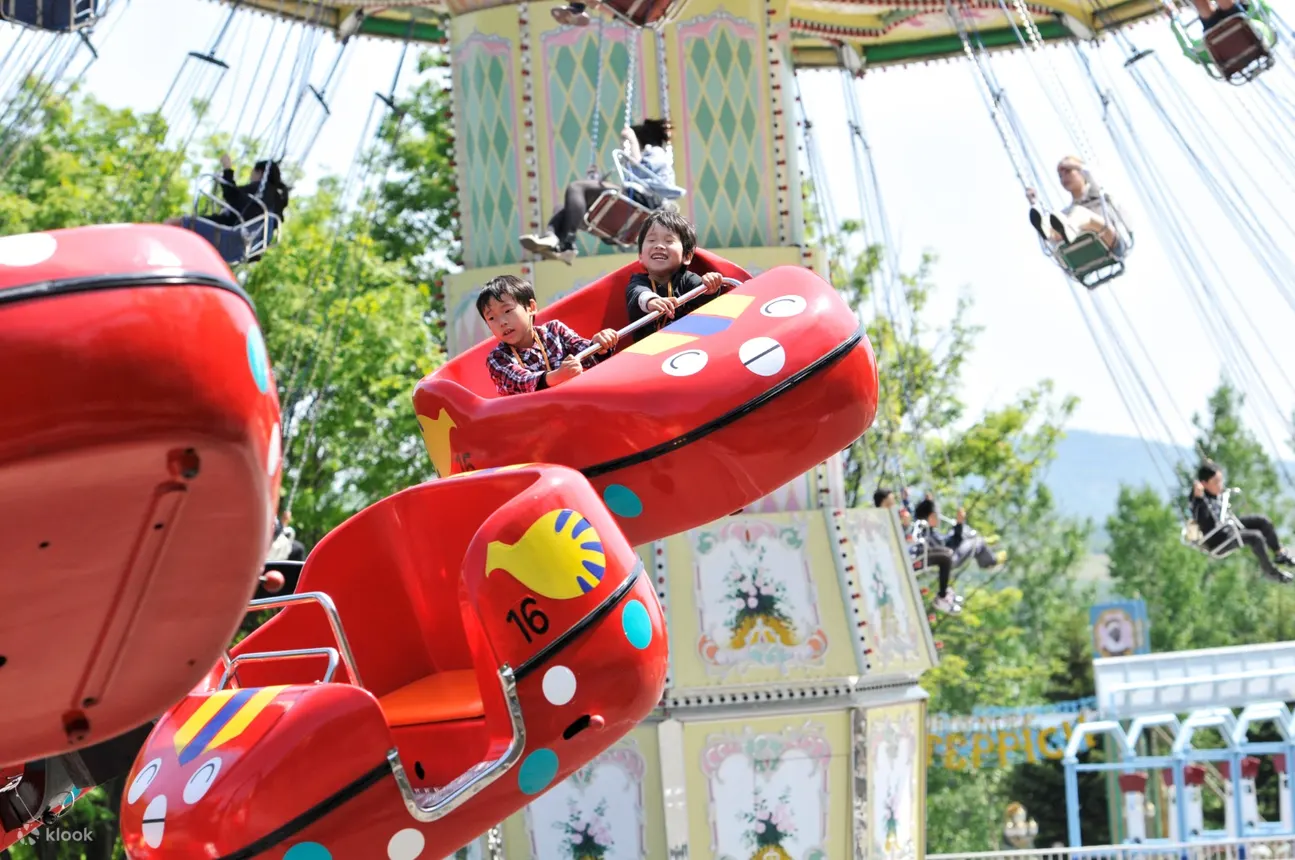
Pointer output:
x,y
567,256
1000,557
948,604
545,246
1063,228
1284,557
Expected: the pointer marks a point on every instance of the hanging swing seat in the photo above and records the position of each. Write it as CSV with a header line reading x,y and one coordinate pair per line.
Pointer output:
x,y
617,215
1229,528
1237,49
1089,261
58,16
238,239
615,218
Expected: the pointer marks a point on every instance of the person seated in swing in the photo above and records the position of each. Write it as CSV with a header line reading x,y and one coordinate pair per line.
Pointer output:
x,y
885,498
244,202
1212,14
936,555
1091,210
646,146
1257,532
962,545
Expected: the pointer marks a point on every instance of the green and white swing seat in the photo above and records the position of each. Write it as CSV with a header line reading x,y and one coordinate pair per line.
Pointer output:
x,y
617,216
1088,260
1238,49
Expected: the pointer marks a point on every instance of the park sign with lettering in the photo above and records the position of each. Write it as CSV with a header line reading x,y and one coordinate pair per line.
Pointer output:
x,y
1003,737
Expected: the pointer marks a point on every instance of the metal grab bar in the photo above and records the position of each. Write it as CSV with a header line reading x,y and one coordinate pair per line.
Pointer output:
x,y
639,323
334,621
442,801
231,669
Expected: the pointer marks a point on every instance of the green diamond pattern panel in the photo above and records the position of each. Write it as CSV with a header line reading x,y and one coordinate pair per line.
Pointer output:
x,y
571,63
489,174
731,197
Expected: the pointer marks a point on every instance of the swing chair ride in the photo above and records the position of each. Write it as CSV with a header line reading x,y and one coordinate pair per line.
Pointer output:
x,y
457,670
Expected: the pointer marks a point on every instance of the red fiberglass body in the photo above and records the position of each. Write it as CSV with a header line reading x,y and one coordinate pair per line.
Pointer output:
x,y
502,633
719,408
139,470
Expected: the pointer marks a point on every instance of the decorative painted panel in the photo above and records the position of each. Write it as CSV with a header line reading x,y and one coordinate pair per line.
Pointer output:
x,y
896,782
490,172
774,788
574,57
726,137
754,600
885,593
610,809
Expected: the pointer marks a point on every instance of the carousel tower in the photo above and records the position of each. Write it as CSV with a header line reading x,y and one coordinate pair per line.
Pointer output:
x,y
793,726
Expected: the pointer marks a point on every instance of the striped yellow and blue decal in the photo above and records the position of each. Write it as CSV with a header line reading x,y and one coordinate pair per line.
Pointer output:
x,y
708,319
221,718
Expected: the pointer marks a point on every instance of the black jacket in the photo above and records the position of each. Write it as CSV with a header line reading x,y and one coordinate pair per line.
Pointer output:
x,y
683,282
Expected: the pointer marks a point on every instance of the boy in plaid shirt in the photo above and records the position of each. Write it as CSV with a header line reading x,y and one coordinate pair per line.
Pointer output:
x,y
530,357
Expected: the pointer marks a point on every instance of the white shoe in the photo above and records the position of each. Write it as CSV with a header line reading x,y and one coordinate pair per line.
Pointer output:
x,y
540,244
567,256
947,603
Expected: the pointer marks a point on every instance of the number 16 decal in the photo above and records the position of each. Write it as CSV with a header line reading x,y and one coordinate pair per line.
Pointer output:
x,y
529,620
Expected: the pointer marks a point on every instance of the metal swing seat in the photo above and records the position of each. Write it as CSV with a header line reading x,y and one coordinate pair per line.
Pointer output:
x,y
1088,260
241,242
617,216
1238,49
57,16
1194,537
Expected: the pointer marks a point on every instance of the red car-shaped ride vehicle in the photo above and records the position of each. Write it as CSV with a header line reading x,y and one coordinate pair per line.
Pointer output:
x,y
480,638
139,472
686,425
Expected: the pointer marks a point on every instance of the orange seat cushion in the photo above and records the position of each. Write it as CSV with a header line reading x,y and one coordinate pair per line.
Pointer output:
x,y
439,698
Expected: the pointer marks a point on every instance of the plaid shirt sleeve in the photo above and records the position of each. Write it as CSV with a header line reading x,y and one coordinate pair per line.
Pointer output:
x,y
508,376
572,343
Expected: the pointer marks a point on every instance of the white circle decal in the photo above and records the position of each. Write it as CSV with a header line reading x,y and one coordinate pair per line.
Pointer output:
x,y
784,306
559,685
276,450
27,249
685,363
406,845
154,821
143,780
763,356
201,780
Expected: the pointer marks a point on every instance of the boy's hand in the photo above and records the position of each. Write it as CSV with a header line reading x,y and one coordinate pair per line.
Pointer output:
x,y
663,304
226,162
1197,489
606,339
712,281
568,369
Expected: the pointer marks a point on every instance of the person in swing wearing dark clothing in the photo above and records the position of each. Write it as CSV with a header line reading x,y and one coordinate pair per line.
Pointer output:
x,y
1257,532
242,200
937,556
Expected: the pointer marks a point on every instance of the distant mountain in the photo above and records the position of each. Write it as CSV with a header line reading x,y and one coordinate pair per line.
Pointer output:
x,y
1089,468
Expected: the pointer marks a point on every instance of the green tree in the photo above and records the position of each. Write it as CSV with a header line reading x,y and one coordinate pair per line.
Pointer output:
x,y
80,162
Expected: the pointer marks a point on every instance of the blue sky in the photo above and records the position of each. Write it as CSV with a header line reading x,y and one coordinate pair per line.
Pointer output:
x,y
947,184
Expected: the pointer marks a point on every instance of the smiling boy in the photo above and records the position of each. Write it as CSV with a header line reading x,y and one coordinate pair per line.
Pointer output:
x,y
531,357
666,245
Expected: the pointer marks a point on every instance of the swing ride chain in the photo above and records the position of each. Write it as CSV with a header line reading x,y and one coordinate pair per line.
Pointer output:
x,y
594,135
631,46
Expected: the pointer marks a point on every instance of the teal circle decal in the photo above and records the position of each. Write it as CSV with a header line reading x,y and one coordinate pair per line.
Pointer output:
x,y
637,624
622,501
537,771
257,359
